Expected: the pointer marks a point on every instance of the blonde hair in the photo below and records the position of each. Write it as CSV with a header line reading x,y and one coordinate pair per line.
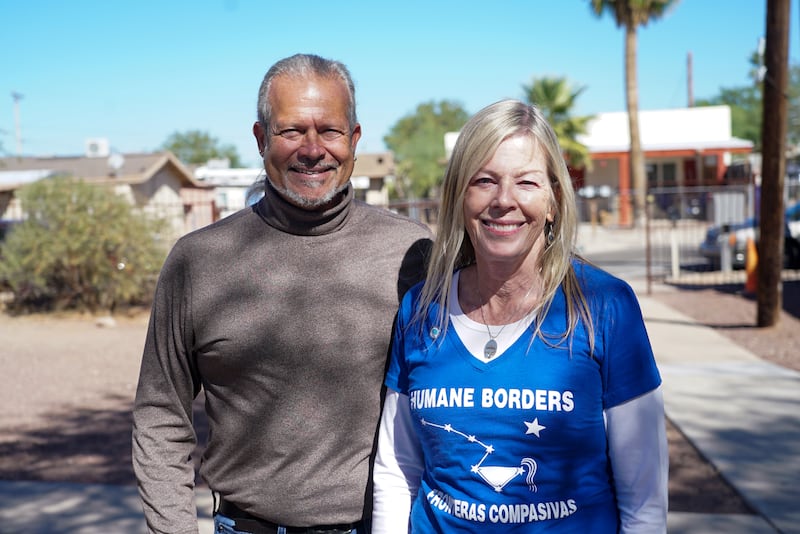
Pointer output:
x,y
452,248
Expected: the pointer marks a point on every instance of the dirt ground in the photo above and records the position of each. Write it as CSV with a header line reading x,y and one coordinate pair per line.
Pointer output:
x,y
68,384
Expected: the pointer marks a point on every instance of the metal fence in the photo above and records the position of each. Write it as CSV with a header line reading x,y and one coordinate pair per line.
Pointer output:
x,y
677,223
679,220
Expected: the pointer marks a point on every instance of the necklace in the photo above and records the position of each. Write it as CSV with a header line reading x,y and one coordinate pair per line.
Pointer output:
x,y
490,348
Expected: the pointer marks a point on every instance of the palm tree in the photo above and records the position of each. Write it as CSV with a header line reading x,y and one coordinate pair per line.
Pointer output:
x,y
631,14
555,98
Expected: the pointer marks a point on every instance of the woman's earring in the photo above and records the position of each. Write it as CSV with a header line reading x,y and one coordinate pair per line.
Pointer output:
x,y
548,233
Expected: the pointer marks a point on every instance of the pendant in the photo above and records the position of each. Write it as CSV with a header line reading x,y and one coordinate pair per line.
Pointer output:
x,y
490,349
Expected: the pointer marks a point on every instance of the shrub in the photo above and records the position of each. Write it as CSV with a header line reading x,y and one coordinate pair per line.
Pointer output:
x,y
79,247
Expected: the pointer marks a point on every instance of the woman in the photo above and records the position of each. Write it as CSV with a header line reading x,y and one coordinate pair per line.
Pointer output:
x,y
523,394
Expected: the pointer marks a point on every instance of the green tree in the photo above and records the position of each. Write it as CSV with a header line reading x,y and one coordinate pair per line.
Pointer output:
x,y
556,99
196,147
630,14
745,104
417,141
79,247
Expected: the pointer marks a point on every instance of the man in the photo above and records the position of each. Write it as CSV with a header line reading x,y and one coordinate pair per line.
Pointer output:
x,y
282,314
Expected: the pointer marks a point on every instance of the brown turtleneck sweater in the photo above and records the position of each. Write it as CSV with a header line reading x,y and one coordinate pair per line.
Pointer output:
x,y
283,317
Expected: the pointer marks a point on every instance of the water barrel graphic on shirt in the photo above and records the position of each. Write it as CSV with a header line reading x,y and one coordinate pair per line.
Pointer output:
x,y
499,476
495,476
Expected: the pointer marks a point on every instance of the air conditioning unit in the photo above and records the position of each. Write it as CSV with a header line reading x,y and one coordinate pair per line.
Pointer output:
x,y
98,147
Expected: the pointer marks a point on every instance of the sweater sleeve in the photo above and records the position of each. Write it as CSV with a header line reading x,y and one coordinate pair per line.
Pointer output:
x,y
398,467
163,433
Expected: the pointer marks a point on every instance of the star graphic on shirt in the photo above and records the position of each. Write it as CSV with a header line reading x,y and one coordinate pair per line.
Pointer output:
x,y
534,427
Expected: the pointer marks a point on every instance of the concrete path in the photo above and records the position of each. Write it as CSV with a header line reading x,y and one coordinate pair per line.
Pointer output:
x,y
741,412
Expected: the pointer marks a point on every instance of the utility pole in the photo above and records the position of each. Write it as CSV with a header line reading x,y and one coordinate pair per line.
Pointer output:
x,y
689,82
773,167
18,128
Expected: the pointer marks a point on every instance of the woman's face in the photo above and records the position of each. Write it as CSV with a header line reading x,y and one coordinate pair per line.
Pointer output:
x,y
508,201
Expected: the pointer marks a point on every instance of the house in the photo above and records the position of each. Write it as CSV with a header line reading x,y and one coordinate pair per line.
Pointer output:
x,y
157,183
683,148
231,185
371,174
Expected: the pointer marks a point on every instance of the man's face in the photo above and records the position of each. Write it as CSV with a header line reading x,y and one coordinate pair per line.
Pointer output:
x,y
309,150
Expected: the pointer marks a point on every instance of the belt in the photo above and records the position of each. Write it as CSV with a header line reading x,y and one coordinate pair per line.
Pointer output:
x,y
255,525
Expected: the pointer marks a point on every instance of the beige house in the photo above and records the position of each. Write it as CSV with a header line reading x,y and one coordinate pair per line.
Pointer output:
x,y
371,175
157,183
160,184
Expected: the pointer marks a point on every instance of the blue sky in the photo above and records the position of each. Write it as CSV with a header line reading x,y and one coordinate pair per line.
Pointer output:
x,y
136,71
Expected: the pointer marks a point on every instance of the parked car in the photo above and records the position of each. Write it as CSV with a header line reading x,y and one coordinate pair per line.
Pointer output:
x,y
737,235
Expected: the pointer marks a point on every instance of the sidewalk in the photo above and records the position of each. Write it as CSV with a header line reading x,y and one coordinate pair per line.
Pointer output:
x,y
741,412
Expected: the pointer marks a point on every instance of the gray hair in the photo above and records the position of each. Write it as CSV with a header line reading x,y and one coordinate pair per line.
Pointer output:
x,y
305,65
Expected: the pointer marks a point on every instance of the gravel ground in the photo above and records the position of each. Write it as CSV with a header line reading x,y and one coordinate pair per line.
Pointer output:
x,y
733,313
68,386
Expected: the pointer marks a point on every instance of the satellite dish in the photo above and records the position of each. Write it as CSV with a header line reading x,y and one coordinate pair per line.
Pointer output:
x,y
115,162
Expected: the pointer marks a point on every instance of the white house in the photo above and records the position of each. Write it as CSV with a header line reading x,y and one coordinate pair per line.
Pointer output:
x,y
684,147
371,174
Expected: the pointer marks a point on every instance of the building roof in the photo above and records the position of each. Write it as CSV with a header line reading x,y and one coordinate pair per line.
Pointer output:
x,y
117,168
697,128
374,165
226,177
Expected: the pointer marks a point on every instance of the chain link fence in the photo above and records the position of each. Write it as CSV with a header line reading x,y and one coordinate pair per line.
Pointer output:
x,y
697,232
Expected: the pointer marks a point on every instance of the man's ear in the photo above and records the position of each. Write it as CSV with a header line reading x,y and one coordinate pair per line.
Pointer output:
x,y
261,137
355,136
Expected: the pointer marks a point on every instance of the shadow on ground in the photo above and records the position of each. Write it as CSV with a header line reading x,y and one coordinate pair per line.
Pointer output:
x,y
695,485
79,445
57,507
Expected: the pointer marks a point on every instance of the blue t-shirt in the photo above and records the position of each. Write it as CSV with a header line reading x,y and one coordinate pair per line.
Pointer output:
x,y
519,443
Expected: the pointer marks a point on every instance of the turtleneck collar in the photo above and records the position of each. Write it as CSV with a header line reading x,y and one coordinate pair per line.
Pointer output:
x,y
280,214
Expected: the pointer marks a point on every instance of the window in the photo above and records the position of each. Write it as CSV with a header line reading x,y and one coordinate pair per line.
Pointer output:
x,y
661,174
